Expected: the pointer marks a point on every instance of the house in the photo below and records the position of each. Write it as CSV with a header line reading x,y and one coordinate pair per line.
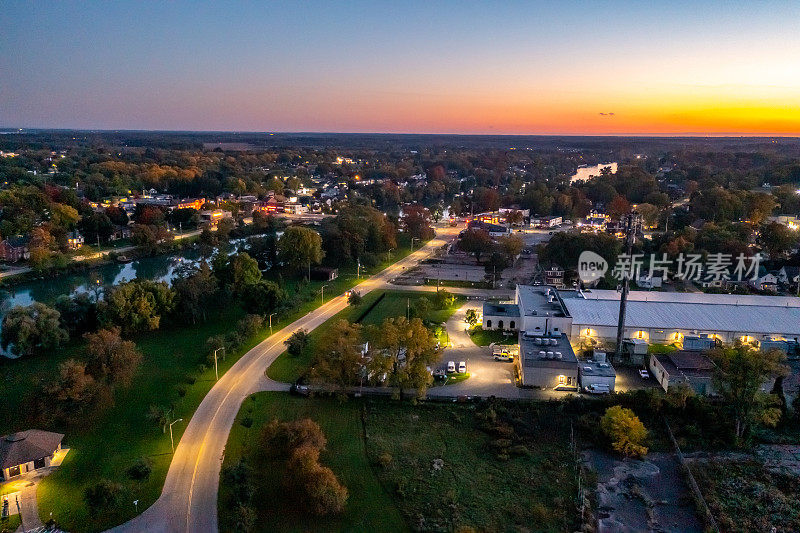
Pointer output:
x,y
765,281
74,240
790,221
120,232
15,249
650,282
691,368
554,276
212,217
323,273
789,275
27,451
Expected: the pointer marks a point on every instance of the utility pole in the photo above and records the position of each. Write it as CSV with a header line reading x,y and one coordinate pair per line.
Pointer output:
x,y
358,274
632,222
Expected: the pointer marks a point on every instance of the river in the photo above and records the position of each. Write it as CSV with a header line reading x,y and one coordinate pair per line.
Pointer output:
x,y
587,172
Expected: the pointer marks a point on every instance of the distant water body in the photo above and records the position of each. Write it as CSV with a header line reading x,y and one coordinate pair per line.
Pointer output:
x,y
587,172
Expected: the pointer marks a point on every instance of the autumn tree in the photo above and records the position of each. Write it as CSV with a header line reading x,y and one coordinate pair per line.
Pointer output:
x,y
300,247
512,246
475,241
403,349
618,206
339,359
110,358
627,433
294,448
416,222
32,330
741,374
777,239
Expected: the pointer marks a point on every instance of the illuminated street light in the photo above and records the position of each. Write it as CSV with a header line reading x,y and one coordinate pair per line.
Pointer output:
x,y
171,440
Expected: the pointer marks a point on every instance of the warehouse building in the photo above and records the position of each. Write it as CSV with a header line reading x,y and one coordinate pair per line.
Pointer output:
x,y
659,317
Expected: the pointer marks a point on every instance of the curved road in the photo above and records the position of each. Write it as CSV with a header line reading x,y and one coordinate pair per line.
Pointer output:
x,y
188,501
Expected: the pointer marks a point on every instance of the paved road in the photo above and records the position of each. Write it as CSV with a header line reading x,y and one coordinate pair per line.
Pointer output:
x,y
188,501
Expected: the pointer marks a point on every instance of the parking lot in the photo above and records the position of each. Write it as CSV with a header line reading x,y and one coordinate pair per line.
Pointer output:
x,y
488,377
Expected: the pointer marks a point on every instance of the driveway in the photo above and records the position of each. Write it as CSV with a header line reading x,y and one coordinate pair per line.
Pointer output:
x,y
487,376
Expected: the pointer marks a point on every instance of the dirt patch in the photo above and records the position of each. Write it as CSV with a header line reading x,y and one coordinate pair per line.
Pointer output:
x,y
642,495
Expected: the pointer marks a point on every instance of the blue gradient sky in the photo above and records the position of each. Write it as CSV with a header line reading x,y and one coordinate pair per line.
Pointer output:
x,y
463,67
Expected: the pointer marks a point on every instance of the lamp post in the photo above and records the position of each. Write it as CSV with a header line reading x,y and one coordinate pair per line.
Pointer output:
x,y
216,368
412,242
270,322
171,440
322,293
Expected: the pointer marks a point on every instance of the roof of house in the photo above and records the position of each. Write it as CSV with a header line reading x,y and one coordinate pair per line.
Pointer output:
x,y
25,446
18,241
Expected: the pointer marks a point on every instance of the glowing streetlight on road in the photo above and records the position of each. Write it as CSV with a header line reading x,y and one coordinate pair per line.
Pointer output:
x,y
171,440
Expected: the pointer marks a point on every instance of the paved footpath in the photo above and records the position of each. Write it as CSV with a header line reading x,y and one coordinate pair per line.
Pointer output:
x,y
188,501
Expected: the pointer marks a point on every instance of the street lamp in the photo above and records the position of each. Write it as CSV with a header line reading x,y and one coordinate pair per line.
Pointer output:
x,y
216,369
412,242
270,322
322,293
171,440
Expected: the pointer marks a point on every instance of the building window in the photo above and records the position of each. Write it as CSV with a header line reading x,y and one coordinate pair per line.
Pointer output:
x,y
500,324
512,325
561,379
488,323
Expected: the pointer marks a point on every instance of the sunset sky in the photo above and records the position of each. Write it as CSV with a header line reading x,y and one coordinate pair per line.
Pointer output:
x,y
600,67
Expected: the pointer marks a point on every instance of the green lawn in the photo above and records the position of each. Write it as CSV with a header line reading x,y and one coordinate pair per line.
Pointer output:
x,y
10,524
395,303
432,467
483,337
369,507
106,446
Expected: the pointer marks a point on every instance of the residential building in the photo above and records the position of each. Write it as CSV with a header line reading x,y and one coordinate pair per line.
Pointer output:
x,y
323,273
15,249
554,276
27,451
75,240
789,276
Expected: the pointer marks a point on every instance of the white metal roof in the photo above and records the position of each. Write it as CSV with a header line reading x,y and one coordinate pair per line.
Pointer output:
x,y
687,297
703,317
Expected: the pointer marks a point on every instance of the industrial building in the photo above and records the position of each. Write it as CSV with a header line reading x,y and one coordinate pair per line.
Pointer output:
x,y
657,317
547,362
597,373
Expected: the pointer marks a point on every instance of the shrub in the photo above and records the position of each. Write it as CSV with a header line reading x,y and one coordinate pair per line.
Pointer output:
x,y
102,496
140,469
626,431
250,325
385,460
247,422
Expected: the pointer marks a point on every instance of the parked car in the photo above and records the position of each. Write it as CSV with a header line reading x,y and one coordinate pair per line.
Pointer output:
x,y
462,367
644,373
451,366
299,387
505,357
597,388
439,374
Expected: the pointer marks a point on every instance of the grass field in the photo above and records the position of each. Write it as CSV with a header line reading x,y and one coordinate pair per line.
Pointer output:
x,y
434,467
106,446
395,303
485,337
10,524
369,508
